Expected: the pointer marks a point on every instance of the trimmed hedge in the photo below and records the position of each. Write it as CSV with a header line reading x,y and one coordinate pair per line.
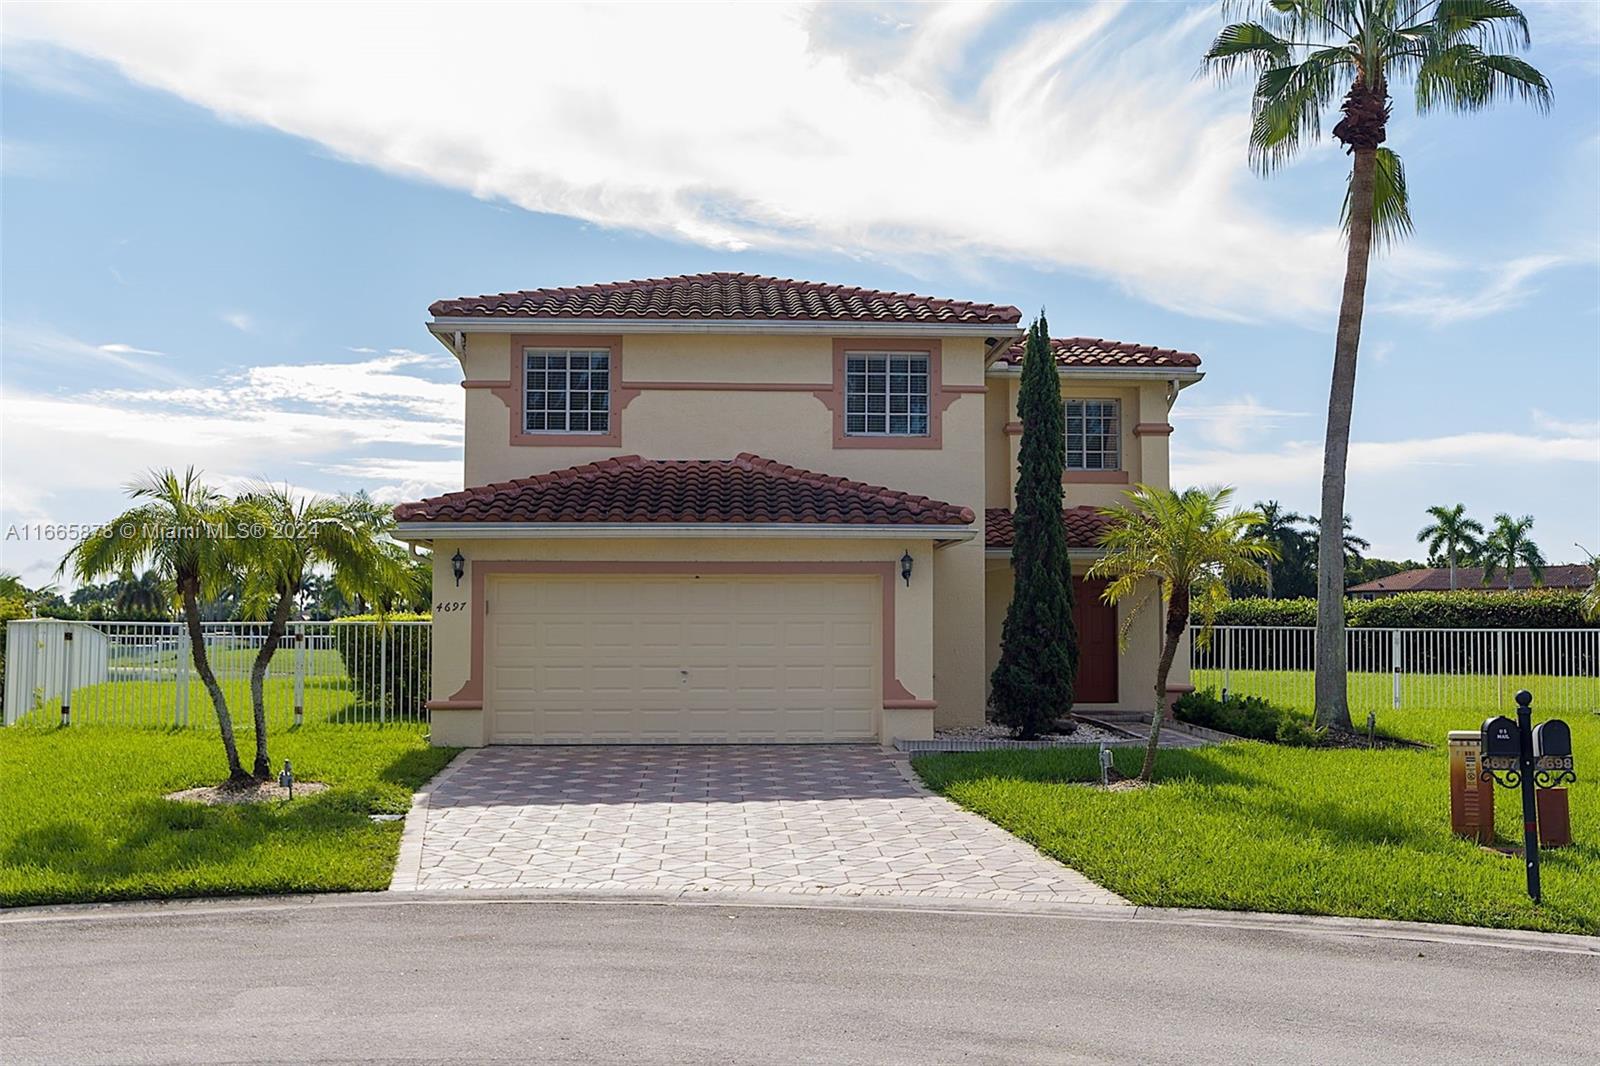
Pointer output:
x,y
1245,716
1533,609
409,659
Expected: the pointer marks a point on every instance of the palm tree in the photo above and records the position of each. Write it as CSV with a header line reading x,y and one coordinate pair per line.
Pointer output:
x,y
1589,605
142,597
1507,545
1351,544
1452,532
176,528
1187,543
343,534
1280,528
1306,54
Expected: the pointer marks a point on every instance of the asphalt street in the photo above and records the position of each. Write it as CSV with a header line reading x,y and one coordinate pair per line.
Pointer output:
x,y
428,980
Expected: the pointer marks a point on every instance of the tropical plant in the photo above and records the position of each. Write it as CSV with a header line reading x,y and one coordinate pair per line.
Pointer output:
x,y
1452,533
1351,544
144,596
1589,606
1281,528
1305,55
1189,545
176,528
1507,546
345,535
1032,685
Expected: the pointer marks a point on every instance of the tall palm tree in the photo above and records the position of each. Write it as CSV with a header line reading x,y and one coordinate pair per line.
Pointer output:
x,y
1507,545
1305,55
1452,532
346,535
1282,529
1188,544
144,596
1351,545
176,529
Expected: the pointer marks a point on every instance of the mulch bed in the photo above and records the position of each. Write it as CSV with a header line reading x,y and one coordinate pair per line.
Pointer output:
x,y
255,792
1339,738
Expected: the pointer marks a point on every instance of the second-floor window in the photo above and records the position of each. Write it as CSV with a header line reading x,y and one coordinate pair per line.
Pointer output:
x,y
886,394
566,390
1094,435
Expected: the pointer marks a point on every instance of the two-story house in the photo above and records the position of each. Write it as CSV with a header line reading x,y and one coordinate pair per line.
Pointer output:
x,y
728,508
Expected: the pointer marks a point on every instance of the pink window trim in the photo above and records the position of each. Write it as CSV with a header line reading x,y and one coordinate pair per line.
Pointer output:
x,y
470,695
512,393
940,395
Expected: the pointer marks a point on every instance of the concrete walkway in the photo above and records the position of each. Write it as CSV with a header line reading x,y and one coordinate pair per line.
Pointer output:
x,y
821,820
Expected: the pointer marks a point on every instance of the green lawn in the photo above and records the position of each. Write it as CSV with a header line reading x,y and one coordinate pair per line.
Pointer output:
x,y
1250,826
82,816
1554,695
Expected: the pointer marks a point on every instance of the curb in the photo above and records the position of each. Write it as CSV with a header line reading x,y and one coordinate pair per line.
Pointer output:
x,y
1244,921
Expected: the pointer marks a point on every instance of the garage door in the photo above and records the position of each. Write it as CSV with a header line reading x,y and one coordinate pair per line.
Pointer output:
x,y
683,659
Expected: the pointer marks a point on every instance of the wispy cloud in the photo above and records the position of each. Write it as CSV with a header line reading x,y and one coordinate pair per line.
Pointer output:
x,y
32,341
239,320
1504,286
1232,423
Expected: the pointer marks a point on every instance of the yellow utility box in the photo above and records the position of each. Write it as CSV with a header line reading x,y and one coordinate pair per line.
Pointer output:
x,y
1471,799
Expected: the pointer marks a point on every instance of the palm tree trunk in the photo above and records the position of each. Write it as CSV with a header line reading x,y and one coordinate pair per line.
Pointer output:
x,y
258,678
202,666
1452,566
1177,622
1333,707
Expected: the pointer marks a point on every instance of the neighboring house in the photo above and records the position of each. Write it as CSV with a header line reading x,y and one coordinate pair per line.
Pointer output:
x,y
727,508
1574,577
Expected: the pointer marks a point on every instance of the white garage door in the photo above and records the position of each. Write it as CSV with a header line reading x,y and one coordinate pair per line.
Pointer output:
x,y
683,659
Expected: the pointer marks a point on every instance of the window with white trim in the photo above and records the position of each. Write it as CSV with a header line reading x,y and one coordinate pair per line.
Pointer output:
x,y
885,394
1094,435
566,390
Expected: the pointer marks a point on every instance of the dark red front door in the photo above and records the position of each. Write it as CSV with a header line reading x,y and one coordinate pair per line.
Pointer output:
x,y
1097,642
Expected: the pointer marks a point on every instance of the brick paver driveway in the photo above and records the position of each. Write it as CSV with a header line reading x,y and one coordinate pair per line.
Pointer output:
x,y
836,819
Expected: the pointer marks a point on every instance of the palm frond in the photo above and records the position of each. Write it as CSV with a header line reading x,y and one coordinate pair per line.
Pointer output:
x,y
1391,204
1463,77
1249,45
1494,23
1288,105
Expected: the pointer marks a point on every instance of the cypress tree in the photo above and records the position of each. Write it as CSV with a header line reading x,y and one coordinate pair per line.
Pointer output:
x,y
1033,683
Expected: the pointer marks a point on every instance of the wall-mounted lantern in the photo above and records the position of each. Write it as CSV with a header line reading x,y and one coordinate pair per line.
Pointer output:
x,y
458,564
905,568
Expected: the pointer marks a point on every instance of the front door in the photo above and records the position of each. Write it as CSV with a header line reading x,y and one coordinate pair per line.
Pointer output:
x,y
1097,642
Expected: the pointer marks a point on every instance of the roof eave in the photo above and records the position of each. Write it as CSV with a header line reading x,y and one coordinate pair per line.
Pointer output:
x,y
1183,375
445,328
427,531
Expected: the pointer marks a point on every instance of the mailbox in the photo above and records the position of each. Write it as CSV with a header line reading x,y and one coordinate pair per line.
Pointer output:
x,y
1500,738
1552,738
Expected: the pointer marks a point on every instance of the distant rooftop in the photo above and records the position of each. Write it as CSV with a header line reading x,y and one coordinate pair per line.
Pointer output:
x,y
1437,579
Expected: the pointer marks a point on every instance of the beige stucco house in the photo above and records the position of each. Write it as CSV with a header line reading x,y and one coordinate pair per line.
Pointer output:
x,y
727,508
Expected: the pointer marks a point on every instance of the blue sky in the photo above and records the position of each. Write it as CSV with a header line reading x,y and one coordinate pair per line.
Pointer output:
x,y
220,229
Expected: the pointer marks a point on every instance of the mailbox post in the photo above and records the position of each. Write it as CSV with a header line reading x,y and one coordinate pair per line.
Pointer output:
x,y
1518,755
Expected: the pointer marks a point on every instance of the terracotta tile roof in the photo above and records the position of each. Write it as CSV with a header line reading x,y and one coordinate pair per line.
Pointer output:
x,y
725,296
744,489
1094,352
1083,527
1437,579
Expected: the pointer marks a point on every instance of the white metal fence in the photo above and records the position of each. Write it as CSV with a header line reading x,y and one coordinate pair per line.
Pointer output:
x,y
143,673
1441,669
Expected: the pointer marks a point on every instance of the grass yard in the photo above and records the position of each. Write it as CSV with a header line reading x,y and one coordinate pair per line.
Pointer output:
x,y
1554,695
82,816
1260,827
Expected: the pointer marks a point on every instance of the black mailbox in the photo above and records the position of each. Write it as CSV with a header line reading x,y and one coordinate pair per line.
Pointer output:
x,y
1499,738
1552,738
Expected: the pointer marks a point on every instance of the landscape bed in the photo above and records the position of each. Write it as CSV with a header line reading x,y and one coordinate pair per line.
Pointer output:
x,y
1263,827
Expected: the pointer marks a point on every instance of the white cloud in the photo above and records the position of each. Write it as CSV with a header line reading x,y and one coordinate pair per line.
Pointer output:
x,y
239,320
126,349
757,127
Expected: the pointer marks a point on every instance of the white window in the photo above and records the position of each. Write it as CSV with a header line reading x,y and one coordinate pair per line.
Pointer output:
x,y
885,394
1094,435
566,390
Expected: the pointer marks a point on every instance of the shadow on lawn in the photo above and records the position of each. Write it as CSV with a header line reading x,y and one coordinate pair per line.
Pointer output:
x,y
160,839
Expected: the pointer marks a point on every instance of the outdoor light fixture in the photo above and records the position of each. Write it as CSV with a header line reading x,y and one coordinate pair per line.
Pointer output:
x,y
458,563
905,568
286,778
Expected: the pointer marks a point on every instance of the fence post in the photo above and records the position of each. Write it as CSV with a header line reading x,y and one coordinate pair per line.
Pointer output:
x,y
299,642
1499,667
185,654
383,673
1396,655
1227,662
66,675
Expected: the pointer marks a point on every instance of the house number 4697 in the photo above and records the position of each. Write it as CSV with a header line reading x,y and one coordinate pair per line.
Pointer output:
x,y
446,608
